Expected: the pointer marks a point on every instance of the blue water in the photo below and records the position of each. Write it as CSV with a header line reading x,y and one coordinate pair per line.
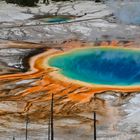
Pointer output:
x,y
105,66
57,19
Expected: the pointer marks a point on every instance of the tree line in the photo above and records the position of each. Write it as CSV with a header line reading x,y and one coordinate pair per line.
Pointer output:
x,y
34,2
28,2
23,2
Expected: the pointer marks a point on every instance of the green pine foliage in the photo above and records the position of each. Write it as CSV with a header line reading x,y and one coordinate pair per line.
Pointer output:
x,y
23,2
60,0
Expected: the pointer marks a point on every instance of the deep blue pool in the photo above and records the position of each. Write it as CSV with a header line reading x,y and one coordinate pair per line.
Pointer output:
x,y
107,66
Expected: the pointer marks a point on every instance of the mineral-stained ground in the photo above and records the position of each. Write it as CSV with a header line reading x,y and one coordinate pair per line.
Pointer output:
x,y
26,83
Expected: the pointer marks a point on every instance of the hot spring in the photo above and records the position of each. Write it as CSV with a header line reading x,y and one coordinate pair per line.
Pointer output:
x,y
54,18
100,65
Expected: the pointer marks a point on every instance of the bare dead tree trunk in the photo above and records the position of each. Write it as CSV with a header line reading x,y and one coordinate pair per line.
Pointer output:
x,y
51,121
94,115
26,133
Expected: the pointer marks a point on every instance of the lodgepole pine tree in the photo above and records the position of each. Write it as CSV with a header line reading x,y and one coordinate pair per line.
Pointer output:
x,y
23,2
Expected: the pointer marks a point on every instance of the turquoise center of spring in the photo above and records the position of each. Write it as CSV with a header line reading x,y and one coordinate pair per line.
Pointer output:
x,y
103,66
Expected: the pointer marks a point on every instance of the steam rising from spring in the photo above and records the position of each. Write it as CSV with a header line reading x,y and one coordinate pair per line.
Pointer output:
x,y
126,11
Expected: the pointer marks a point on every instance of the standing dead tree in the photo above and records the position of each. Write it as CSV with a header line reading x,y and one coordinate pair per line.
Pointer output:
x,y
94,118
26,132
51,119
